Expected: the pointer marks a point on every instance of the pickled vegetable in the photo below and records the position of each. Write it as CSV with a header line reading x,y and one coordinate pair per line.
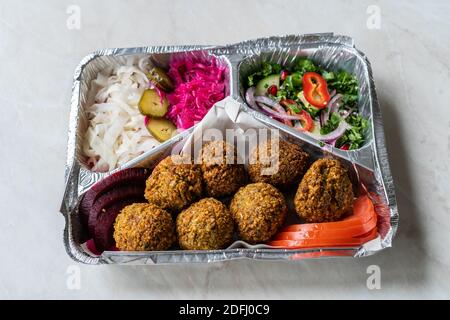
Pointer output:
x,y
152,104
160,79
160,128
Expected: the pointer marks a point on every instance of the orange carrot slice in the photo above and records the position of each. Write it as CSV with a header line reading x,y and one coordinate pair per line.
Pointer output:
x,y
363,212
349,232
354,230
319,242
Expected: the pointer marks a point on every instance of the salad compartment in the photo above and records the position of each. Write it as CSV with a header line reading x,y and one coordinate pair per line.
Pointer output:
x,y
332,57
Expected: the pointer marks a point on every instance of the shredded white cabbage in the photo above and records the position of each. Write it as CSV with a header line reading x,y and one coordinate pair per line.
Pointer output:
x,y
116,132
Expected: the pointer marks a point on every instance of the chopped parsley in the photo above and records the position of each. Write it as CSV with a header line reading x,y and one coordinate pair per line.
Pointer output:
x,y
304,65
291,85
345,84
354,136
267,69
331,125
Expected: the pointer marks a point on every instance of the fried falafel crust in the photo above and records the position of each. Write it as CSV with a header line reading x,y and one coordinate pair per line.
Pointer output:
x,y
205,225
258,210
222,175
174,184
142,227
292,163
325,193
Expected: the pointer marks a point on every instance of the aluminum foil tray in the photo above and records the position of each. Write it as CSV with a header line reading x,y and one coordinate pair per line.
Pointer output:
x,y
369,163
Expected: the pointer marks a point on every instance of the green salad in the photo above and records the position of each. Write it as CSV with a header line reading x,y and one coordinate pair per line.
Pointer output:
x,y
311,99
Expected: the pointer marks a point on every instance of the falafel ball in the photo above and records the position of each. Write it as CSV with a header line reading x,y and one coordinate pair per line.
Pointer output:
x,y
174,183
325,192
144,226
258,210
205,225
288,160
222,175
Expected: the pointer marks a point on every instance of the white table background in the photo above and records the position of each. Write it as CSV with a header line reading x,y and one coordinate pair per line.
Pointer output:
x,y
410,56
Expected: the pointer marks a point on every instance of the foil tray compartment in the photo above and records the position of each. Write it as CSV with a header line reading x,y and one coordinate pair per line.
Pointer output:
x,y
370,161
334,52
239,249
104,61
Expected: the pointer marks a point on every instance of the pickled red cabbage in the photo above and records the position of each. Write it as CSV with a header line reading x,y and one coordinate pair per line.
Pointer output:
x,y
198,86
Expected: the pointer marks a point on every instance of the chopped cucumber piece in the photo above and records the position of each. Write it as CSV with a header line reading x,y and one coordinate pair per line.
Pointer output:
x,y
264,84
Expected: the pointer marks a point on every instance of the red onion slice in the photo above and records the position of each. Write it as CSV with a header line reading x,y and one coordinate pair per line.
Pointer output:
x,y
261,109
332,106
250,98
266,100
283,112
277,114
324,117
334,135
346,113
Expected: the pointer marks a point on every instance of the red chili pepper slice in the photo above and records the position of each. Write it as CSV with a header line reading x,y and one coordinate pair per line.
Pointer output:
x,y
315,90
290,105
307,121
304,117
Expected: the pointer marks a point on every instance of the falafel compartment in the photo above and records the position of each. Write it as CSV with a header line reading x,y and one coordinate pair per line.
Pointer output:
x,y
255,215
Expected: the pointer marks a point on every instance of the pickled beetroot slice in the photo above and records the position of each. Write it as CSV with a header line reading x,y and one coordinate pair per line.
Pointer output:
x,y
135,176
104,229
90,245
86,205
109,198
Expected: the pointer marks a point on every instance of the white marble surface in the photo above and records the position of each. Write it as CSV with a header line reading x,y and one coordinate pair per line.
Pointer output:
x,y
410,58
